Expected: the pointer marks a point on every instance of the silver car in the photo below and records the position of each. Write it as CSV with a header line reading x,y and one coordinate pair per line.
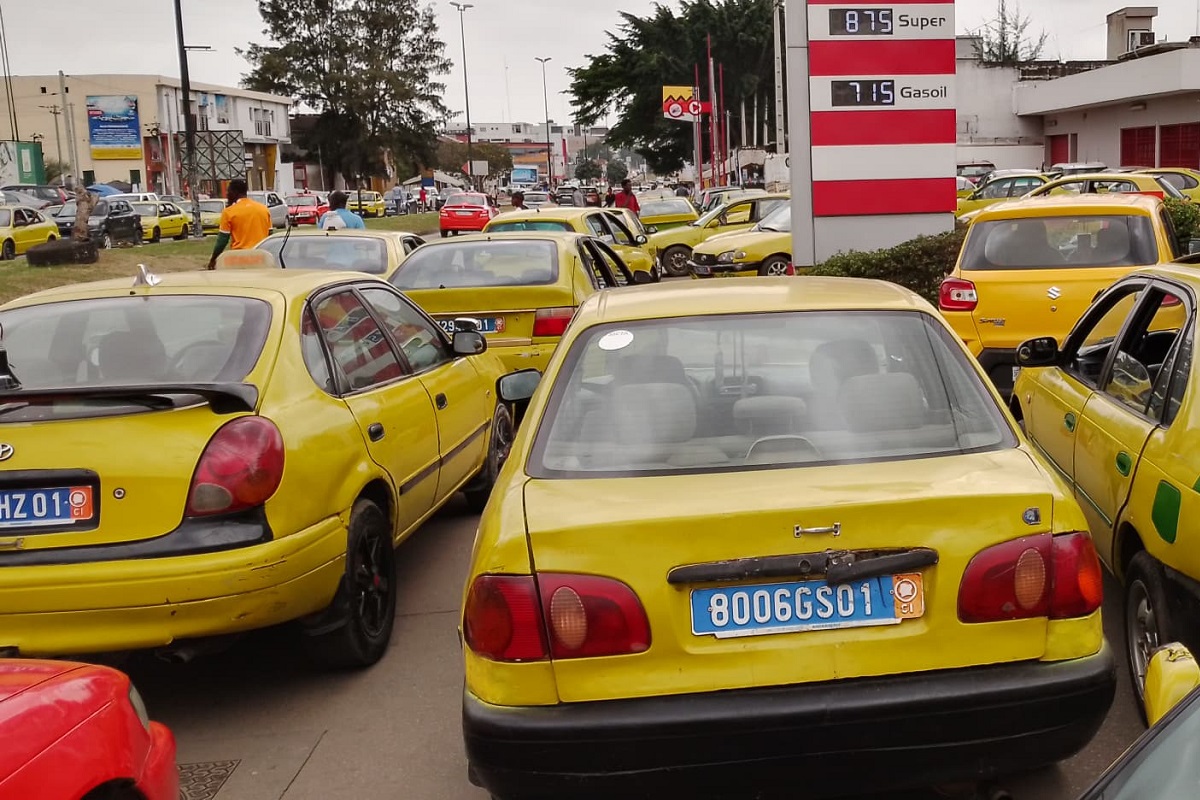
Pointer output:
x,y
274,203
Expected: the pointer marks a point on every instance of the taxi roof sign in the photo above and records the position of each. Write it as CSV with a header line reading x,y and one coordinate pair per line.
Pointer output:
x,y
248,259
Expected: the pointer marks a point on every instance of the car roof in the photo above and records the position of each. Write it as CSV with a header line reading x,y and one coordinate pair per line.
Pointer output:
x,y
367,233
563,237
1100,176
761,295
1059,206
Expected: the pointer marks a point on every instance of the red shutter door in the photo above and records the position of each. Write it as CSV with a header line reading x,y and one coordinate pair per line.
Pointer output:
x,y
1137,147
1180,146
1060,149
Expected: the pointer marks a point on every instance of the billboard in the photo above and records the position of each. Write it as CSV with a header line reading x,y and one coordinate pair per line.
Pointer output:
x,y
681,105
523,175
21,162
114,130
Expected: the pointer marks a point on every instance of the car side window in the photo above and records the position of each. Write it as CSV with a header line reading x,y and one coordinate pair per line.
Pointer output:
x,y
1088,349
361,351
996,189
737,215
612,264
313,352
620,233
1144,347
591,268
1023,186
596,225
1114,187
421,341
19,217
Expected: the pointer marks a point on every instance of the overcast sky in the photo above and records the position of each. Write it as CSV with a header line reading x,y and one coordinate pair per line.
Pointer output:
x,y
503,37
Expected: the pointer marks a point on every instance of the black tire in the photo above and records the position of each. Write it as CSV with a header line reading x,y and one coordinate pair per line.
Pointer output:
x,y
1148,622
774,266
445,234
9,251
363,611
500,442
184,234
674,260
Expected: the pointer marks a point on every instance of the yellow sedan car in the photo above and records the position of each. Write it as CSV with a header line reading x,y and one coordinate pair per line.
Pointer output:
x,y
1113,406
607,225
520,290
163,219
765,249
1183,179
366,204
998,190
742,213
266,385
773,531
370,251
21,228
668,212
210,215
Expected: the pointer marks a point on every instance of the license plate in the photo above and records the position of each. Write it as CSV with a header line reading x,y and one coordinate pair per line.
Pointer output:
x,y
702,270
737,611
486,325
465,213
32,508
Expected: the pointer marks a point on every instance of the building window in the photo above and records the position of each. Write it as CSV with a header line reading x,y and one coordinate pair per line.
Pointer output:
x,y
1138,147
262,117
1180,146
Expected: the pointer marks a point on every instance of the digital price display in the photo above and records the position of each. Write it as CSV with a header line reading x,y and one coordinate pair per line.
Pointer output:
x,y
864,93
861,22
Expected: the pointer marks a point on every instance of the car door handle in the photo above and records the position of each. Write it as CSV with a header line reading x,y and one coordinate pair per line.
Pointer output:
x,y
376,431
1069,422
440,401
1124,464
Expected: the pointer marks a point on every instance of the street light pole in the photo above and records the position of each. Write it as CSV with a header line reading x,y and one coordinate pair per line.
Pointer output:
x,y
462,28
189,124
549,146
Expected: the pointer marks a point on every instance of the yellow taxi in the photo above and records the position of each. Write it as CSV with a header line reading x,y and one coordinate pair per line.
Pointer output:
x,y
635,249
654,609
371,251
162,219
1110,183
21,228
1185,180
366,204
765,249
739,214
665,213
210,215
265,384
1113,406
521,290
999,190
1032,267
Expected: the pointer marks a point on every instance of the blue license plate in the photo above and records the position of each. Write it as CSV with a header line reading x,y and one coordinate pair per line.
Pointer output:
x,y
735,611
36,508
702,270
486,324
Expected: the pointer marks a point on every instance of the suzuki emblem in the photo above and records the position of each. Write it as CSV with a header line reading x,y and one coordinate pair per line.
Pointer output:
x,y
6,451
1054,293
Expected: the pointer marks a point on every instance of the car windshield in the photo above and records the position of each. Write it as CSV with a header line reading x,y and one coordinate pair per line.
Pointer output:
x,y
466,200
779,220
122,341
1167,766
666,208
479,264
68,210
343,251
518,225
760,391
101,209
212,206
1061,242
302,201
146,209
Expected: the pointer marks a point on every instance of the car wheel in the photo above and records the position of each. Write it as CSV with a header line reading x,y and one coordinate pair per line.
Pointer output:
x,y
445,234
1148,622
499,447
156,235
364,608
775,266
106,241
9,251
183,234
675,261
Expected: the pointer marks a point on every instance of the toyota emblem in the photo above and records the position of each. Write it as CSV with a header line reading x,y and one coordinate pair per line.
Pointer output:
x,y
6,451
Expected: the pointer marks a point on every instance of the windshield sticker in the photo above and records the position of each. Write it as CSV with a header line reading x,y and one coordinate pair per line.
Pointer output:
x,y
616,340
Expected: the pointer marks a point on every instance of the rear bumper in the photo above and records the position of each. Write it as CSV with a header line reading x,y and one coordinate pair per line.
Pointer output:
x,y
465,224
837,738
723,270
998,363
160,776
136,603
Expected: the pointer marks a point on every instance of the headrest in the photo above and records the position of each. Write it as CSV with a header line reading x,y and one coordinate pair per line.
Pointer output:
x,y
833,362
647,368
890,401
126,357
654,413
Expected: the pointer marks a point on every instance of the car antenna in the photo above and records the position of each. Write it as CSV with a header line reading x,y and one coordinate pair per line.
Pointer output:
x,y
283,247
8,378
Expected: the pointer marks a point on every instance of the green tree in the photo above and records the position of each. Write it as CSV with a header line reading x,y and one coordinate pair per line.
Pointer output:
x,y
55,169
1005,41
588,171
369,68
617,171
663,48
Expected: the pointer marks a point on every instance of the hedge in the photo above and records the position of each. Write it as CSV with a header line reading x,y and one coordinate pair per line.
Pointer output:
x,y
919,264
1186,217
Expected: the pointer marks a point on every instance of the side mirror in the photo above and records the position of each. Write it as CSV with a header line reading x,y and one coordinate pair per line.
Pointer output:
x,y
469,343
641,239
1041,352
653,229
1171,675
641,276
518,386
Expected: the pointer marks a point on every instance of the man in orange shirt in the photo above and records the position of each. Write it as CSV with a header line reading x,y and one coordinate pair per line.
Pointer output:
x,y
244,222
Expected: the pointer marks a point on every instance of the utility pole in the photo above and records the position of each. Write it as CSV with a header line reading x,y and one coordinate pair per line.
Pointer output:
x,y
72,156
780,141
549,147
462,29
189,125
55,111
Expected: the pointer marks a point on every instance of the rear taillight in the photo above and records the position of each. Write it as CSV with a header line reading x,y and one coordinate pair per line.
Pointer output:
x,y
240,468
502,619
589,616
957,294
1037,576
552,321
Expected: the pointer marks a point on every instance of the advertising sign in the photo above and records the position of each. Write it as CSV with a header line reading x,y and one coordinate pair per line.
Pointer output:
x,y
21,162
114,130
681,105
523,175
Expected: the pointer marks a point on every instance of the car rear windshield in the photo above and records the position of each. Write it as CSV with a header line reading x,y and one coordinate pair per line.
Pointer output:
x,y
1061,242
518,225
780,390
122,341
466,200
330,251
666,208
212,206
479,264
302,201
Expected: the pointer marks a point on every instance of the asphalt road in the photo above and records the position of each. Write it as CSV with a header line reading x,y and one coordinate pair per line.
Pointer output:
x,y
255,723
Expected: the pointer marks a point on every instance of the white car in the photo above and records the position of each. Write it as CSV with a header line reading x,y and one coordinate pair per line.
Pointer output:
x,y
274,203
135,197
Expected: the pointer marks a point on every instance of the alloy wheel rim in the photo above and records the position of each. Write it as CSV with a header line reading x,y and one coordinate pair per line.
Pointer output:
x,y
777,269
1141,632
502,441
679,260
371,585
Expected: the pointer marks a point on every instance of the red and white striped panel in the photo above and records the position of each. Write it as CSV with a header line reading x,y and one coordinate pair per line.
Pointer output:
x,y
897,158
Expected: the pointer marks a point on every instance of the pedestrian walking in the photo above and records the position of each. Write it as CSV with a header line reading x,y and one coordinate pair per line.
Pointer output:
x,y
518,201
422,204
609,198
337,217
244,222
627,199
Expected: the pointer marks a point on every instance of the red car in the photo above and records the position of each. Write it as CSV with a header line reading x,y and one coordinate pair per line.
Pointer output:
x,y
80,732
466,211
305,209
